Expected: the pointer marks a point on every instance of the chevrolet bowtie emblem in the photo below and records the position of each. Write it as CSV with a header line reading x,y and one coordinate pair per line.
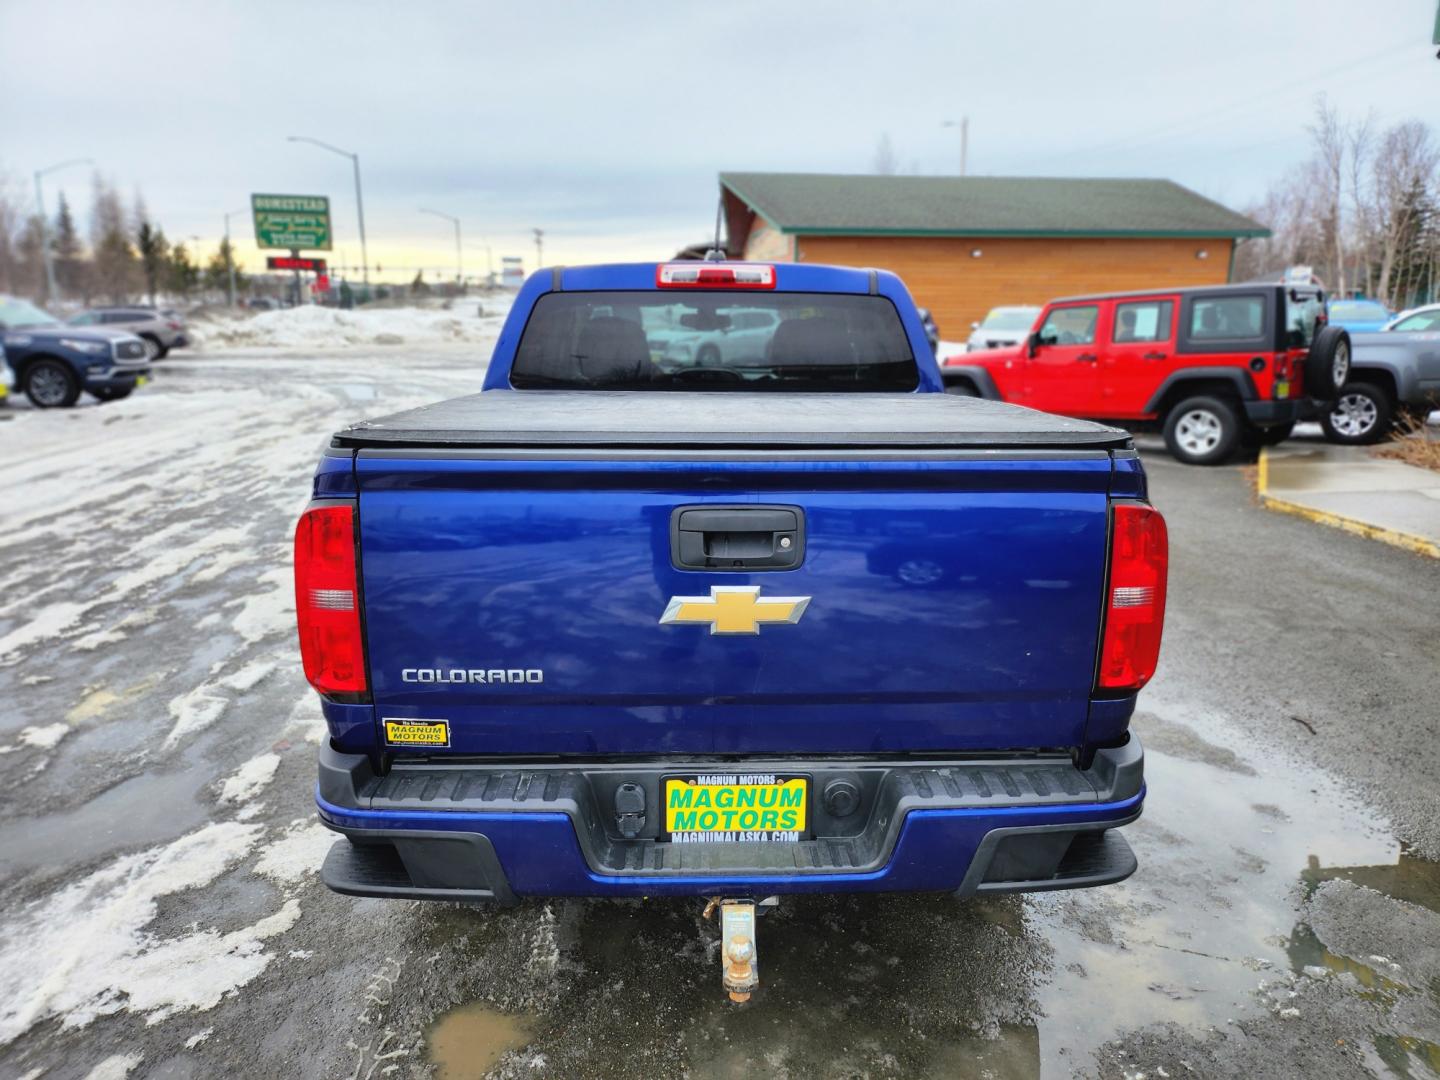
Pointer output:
x,y
735,609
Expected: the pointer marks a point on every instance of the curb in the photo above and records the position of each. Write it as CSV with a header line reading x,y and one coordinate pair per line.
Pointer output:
x,y
1419,545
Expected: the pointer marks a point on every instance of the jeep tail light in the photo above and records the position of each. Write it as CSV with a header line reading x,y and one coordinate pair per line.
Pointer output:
x,y
1134,597
327,601
702,275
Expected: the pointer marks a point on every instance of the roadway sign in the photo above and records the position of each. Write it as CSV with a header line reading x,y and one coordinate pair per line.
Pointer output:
x,y
294,262
296,222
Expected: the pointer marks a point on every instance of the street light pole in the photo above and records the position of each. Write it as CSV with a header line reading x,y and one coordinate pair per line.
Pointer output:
x,y
539,248
52,290
459,259
964,125
359,197
230,252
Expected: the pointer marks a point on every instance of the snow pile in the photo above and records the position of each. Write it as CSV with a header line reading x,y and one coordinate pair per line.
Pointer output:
x,y
312,327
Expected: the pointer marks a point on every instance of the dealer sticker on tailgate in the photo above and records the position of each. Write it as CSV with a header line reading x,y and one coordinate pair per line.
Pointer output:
x,y
417,732
736,808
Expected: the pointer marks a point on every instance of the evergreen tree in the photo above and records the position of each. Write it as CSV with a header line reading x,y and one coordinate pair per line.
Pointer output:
x,y
217,271
69,255
150,242
1415,251
154,250
418,286
181,276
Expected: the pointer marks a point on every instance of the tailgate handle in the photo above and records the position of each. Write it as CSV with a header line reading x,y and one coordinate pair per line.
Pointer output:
x,y
737,538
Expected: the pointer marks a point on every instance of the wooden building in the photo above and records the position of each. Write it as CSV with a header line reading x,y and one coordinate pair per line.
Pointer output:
x,y
966,244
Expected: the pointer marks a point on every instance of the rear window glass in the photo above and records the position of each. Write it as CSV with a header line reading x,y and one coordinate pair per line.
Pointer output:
x,y
1302,315
713,340
1219,318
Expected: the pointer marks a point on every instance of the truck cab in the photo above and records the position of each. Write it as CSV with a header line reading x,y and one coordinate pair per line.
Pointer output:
x,y
1218,368
631,624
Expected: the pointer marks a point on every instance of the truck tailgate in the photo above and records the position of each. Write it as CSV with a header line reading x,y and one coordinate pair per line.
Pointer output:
x,y
514,586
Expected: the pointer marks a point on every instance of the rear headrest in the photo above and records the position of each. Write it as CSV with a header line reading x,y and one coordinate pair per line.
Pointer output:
x,y
811,341
613,350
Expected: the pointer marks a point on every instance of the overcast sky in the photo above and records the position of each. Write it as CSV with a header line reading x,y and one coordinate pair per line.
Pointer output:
x,y
605,123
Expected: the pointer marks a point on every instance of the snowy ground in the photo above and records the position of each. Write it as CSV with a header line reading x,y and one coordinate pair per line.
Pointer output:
x,y
163,916
324,328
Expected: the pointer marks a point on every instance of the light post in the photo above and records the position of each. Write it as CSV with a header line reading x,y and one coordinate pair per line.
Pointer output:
x,y
539,248
359,198
459,259
52,290
230,251
489,262
964,125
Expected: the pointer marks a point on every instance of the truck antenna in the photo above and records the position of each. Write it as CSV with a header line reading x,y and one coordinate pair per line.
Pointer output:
x,y
716,252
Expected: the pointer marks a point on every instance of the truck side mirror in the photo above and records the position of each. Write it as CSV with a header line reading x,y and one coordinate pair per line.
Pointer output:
x,y
1032,344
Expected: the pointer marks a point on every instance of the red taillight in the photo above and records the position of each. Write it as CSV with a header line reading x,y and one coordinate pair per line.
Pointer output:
x,y
1134,597
698,275
175,325
327,600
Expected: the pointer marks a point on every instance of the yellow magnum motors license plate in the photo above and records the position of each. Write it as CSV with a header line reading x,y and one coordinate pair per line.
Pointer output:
x,y
417,732
141,380
736,808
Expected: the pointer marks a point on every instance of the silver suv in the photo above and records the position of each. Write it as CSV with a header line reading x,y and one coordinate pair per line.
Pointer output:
x,y
160,328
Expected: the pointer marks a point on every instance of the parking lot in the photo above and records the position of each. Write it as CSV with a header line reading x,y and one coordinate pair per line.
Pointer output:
x,y
165,918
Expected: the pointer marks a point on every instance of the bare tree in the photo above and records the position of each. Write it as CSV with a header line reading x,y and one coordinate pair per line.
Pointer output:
x,y
1403,185
886,163
1327,174
116,267
12,221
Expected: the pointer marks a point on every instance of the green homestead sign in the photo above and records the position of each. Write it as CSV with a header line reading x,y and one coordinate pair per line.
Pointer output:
x,y
293,222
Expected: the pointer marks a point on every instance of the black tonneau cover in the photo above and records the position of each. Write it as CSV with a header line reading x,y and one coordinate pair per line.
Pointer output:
x,y
721,419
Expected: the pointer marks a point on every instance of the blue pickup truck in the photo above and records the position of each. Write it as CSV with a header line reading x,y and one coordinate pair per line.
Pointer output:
x,y
627,623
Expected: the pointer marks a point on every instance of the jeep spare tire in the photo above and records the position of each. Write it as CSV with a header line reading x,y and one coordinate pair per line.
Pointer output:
x,y
1327,367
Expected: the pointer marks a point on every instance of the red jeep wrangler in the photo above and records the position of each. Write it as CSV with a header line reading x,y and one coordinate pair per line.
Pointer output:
x,y
1220,367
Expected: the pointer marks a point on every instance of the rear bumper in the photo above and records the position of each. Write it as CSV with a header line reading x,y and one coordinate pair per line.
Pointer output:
x,y
1272,413
471,832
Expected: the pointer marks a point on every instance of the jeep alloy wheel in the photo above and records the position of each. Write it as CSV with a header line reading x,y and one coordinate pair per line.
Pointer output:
x,y
1198,432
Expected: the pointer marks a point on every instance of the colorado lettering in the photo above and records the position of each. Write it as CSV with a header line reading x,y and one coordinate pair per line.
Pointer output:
x,y
482,676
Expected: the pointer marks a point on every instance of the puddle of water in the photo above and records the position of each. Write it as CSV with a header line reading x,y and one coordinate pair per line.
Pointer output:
x,y
1414,880
1230,841
1004,987
1401,1053
143,810
466,1042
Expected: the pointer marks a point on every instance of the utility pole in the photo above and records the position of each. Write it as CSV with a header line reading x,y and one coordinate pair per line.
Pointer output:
x,y
964,125
539,248
359,197
52,290
459,259
230,252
